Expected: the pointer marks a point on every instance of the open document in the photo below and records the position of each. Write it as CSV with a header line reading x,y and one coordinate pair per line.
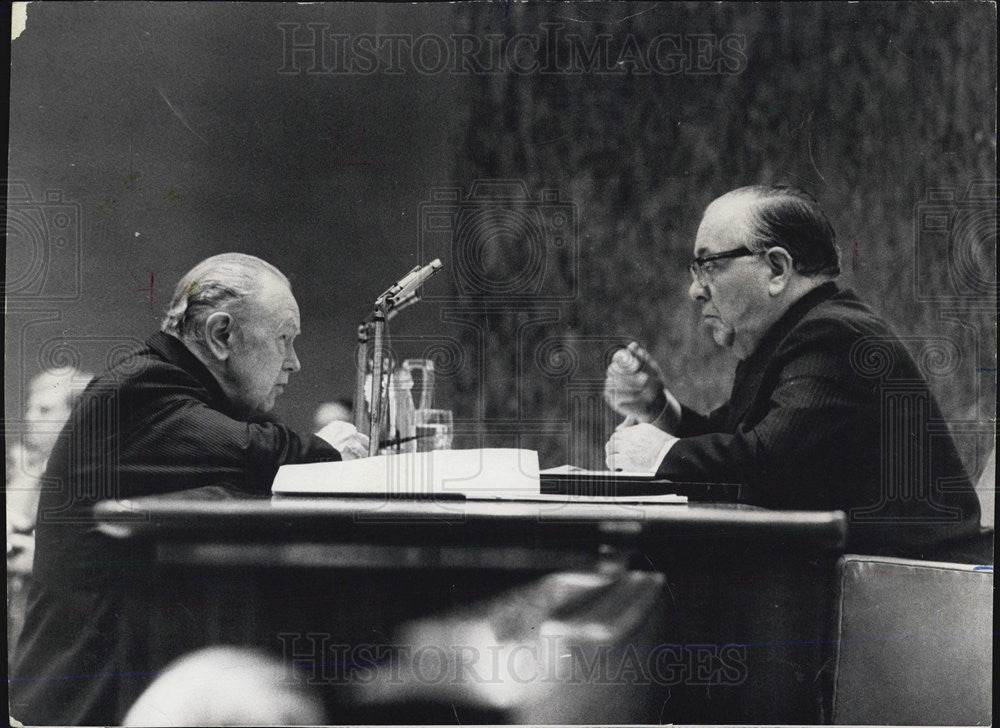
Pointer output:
x,y
481,474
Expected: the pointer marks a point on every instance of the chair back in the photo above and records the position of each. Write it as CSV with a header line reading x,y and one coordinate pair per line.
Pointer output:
x,y
914,642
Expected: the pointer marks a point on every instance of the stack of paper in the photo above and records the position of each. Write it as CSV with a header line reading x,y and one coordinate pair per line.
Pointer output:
x,y
484,474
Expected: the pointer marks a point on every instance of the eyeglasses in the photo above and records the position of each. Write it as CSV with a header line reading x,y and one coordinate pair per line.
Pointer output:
x,y
703,266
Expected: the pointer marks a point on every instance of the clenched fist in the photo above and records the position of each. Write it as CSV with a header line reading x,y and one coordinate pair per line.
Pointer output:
x,y
633,385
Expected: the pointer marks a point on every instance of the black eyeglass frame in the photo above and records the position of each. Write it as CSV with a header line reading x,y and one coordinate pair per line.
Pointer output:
x,y
695,266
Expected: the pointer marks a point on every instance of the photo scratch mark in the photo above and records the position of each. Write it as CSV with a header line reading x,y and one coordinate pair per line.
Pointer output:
x,y
635,15
896,48
150,289
810,144
179,115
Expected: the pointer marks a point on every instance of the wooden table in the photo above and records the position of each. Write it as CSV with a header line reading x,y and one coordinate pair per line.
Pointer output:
x,y
741,613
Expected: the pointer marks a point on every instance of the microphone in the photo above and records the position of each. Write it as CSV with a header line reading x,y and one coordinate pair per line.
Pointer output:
x,y
401,294
400,303
408,284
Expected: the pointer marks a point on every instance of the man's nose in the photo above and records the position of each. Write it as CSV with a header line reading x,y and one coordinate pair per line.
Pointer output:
x,y
697,292
292,361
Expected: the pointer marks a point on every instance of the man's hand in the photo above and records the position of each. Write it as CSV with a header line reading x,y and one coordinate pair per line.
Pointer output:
x,y
345,437
638,448
633,385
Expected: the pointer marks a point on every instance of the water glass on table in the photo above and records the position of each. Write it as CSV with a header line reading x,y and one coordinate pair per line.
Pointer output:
x,y
434,429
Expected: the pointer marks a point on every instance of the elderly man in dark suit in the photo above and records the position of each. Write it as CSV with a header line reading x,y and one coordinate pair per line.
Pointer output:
x,y
828,409
188,409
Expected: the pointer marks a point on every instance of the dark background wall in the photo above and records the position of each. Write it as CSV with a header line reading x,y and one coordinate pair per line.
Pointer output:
x,y
170,128
182,130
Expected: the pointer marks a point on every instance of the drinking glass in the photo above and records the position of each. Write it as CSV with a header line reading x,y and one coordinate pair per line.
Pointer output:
x,y
434,429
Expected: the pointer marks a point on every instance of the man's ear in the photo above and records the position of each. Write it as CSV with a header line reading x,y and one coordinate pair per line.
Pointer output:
x,y
219,333
782,267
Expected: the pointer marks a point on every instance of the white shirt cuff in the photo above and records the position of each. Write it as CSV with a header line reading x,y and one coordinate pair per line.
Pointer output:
x,y
661,456
335,433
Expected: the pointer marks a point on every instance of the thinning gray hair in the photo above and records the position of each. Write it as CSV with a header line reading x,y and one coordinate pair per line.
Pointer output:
x,y
215,284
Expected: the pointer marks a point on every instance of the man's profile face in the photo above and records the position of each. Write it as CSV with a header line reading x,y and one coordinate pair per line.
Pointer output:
x,y
262,356
734,298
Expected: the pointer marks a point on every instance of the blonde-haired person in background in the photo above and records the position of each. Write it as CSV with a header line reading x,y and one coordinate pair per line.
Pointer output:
x,y
51,396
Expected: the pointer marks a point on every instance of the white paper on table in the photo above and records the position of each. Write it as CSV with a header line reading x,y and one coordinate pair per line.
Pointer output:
x,y
482,473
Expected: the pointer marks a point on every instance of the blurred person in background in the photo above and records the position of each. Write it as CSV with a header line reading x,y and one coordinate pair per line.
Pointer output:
x,y
226,686
188,409
51,396
805,426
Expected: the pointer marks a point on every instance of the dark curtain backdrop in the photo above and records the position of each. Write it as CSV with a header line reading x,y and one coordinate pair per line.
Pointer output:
x,y
176,131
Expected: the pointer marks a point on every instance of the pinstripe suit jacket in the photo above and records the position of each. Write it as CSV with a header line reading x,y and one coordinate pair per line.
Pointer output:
x,y
832,412
155,422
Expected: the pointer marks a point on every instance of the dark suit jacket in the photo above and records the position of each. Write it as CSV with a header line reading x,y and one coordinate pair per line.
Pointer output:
x,y
155,422
831,412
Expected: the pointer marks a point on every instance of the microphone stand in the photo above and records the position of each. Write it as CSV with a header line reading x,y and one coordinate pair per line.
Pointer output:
x,y
362,416
399,296
361,361
378,364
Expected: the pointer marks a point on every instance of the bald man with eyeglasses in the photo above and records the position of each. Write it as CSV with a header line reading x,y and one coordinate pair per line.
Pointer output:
x,y
811,423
